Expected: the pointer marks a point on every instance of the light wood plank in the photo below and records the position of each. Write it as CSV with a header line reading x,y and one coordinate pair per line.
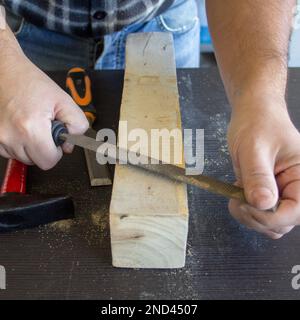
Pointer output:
x,y
99,174
149,214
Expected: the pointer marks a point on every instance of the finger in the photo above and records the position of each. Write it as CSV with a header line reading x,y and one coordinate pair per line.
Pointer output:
x,y
288,176
238,175
67,147
242,215
23,157
42,149
237,210
257,171
30,162
16,152
4,153
274,235
283,230
286,215
72,116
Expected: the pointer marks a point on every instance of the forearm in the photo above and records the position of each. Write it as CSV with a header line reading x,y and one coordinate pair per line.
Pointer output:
x,y
251,43
9,46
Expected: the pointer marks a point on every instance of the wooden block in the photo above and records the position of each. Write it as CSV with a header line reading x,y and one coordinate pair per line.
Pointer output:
x,y
99,174
148,213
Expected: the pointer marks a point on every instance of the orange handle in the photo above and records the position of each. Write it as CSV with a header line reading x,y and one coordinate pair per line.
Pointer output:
x,y
78,84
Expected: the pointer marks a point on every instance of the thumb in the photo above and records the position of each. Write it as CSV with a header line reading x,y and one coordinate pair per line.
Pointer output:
x,y
257,171
74,119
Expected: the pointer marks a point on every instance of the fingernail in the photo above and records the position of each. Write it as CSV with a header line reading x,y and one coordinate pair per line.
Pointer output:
x,y
262,198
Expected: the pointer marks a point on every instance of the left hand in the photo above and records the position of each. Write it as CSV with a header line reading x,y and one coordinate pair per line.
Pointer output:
x,y
265,149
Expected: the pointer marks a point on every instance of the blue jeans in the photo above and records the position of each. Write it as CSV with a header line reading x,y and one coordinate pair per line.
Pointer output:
x,y
55,51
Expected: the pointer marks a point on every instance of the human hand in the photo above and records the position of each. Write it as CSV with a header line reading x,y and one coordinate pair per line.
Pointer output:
x,y
29,101
265,150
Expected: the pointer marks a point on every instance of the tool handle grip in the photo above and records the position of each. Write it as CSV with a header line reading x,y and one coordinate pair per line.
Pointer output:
x,y
15,177
78,85
58,128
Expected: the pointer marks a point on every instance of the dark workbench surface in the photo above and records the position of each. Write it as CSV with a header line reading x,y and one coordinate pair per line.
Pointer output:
x,y
224,259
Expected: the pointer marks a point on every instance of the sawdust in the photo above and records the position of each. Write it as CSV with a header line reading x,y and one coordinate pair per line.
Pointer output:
x,y
187,81
219,126
62,225
96,226
99,220
218,132
189,250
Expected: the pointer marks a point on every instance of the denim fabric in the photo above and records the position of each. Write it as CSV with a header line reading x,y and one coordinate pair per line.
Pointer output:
x,y
55,51
181,19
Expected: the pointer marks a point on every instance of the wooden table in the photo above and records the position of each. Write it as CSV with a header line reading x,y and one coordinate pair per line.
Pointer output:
x,y
224,260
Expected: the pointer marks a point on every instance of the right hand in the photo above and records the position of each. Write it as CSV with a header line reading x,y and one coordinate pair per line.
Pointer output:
x,y
29,101
265,149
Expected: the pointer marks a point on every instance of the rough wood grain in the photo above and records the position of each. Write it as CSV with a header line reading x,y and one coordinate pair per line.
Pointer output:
x,y
99,174
149,214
